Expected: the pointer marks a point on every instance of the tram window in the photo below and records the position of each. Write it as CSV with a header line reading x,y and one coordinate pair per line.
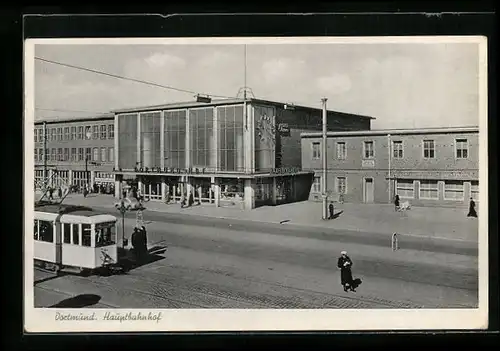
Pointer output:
x,y
86,235
76,234
67,233
35,229
46,231
105,236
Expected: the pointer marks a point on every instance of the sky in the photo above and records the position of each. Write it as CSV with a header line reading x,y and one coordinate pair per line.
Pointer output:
x,y
405,85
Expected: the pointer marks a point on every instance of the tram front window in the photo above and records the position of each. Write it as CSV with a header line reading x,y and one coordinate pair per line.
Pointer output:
x,y
105,234
46,232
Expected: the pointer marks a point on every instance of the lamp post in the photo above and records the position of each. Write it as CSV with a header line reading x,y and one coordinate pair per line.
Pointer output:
x,y
123,208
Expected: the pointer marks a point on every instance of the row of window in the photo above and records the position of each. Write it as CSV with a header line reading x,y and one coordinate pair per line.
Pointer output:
x,y
74,234
340,185
429,189
103,131
74,154
428,149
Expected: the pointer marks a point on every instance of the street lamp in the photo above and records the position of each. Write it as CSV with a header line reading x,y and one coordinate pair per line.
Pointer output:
x,y
123,208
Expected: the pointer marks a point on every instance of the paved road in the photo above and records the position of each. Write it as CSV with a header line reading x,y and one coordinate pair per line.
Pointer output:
x,y
213,263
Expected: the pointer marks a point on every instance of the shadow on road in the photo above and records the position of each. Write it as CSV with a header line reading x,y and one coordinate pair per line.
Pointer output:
x,y
79,301
130,260
337,215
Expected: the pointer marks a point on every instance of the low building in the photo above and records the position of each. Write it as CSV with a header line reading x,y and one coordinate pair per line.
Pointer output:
x,y
230,152
78,151
437,166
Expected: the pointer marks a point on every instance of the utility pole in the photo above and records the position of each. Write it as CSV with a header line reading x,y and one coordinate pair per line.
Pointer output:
x,y
45,175
325,173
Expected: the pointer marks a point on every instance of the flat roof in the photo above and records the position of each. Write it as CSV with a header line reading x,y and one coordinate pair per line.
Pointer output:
x,y
53,120
233,101
374,132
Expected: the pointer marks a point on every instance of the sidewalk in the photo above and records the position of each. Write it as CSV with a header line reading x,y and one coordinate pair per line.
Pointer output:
x,y
449,223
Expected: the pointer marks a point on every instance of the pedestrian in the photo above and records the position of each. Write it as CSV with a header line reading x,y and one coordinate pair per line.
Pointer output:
x,y
472,209
345,264
51,193
331,209
396,203
59,192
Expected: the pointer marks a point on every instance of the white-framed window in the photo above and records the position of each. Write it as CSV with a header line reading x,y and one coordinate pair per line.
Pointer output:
x,y
397,149
88,132
73,133
73,154
316,186
405,188
103,131
66,133
368,151
341,150
80,133
111,157
80,154
53,134
60,155
461,148
95,154
454,190
103,154
111,131
95,132
341,185
474,190
429,149
53,154
429,189
36,135
66,154
36,155
316,151
59,134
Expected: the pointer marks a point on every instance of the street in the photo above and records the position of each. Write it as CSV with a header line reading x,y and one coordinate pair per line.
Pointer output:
x,y
221,263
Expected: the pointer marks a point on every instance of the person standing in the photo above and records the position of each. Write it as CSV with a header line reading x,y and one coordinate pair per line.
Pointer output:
x,y
345,263
396,202
331,210
472,209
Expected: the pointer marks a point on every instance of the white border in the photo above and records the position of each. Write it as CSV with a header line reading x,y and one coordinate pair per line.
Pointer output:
x,y
43,320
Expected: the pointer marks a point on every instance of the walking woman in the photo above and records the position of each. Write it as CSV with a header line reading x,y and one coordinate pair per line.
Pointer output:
x,y
472,209
345,264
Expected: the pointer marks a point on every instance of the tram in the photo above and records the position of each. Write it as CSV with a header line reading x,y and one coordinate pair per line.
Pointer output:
x,y
73,238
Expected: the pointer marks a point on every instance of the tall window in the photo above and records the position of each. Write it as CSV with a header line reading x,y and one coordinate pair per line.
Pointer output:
x,y
66,154
405,188
341,150
429,149
454,190
368,149
59,134
41,154
88,153
111,131
36,135
80,133
150,139
73,154
103,154
397,149
60,154
36,155
95,154
53,134
95,132
73,133
88,132
316,186
66,133
53,154
80,154
127,141
316,151
462,148
474,190
201,137
111,154
103,131
341,185
230,135
429,189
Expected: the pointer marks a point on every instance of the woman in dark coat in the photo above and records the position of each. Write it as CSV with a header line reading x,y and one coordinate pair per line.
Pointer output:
x,y
472,209
396,203
345,264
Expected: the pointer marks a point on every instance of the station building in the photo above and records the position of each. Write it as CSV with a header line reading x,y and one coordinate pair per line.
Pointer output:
x,y
231,152
437,166
78,151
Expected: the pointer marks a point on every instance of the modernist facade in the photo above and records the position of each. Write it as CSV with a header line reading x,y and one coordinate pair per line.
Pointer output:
x,y
423,166
75,151
230,152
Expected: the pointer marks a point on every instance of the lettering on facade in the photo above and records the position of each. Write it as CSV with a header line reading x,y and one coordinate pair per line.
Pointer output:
x,y
368,163
284,129
285,170
174,170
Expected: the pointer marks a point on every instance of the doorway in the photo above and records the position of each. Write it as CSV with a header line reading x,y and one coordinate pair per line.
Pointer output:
x,y
369,190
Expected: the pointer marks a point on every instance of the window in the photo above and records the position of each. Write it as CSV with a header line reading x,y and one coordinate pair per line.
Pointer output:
x,y
105,235
36,135
397,149
66,154
66,133
36,155
429,149
474,190
67,233
316,186
59,134
73,133
341,151
462,148
73,154
405,188
95,154
60,154
53,134
341,185
316,153
103,131
95,132
454,190
80,154
53,156
230,130
86,235
88,132
45,231
88,153
103,154
111,157
76,234
368,149
111,131
429,189
80,133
